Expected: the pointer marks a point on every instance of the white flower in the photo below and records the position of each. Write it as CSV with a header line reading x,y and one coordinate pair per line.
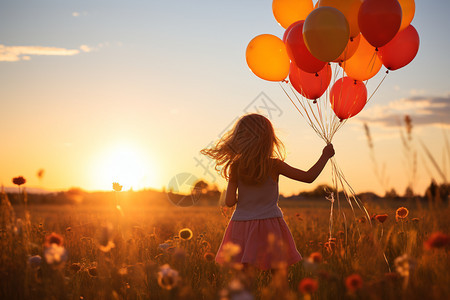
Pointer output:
x,y
168,278
404,265
55,254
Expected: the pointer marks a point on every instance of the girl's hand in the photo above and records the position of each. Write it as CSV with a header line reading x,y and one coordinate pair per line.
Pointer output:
x,y
328,151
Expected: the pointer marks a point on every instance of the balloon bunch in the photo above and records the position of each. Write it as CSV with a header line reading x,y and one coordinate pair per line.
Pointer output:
x,y
354,35
329,51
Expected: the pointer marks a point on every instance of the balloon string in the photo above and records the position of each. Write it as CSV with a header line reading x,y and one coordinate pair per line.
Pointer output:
x,y
378,86
325,123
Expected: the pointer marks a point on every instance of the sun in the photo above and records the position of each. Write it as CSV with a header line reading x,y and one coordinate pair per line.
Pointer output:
x,y
126,164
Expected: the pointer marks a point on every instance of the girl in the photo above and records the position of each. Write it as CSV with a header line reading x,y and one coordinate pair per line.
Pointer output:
x,y
251,159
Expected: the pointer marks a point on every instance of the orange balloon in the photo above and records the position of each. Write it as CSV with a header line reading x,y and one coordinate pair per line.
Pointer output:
x,y
348,52
349,8
326,33
287,12
267,57
364,64
348,97
408,11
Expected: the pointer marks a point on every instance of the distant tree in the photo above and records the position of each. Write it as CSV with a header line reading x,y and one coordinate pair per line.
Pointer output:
x,y
392,194
436,192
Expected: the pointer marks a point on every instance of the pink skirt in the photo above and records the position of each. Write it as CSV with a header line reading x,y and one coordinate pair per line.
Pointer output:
x,y
265,243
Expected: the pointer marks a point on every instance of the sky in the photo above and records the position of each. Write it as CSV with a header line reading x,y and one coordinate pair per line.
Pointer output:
x,y
130,91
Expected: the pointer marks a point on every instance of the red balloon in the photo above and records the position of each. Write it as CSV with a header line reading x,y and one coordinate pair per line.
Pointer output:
x,y
348,97
401,50
310,85
298,52
286,32
379,20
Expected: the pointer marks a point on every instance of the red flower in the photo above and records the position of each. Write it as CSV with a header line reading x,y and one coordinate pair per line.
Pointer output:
x,y
308,286
353,282
381,218
315,257
209,256
53,238
19,180
437,240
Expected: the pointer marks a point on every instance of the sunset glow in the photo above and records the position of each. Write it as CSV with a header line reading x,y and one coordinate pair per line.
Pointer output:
x,y
125,164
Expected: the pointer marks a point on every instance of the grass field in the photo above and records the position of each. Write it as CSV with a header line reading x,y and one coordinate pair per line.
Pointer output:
x,y
99,252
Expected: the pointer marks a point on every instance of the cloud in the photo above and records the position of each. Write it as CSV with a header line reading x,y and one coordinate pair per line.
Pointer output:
x,y
423,110
17,53
86,48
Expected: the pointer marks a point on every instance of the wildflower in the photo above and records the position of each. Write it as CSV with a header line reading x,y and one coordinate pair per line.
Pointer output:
x,y
19,180
230,249
353,282
208,256
53,238
117,187
40,173
34,262
185,234
55,254
401,213
164,246
105,239
235,285
308,286
168,278
206,245
93,272
437,240
404,265
381,218
330,246
315,257
75,267
122,271
18,228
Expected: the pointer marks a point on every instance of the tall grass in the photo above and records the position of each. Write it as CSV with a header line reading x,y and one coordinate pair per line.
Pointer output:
x,y
146,238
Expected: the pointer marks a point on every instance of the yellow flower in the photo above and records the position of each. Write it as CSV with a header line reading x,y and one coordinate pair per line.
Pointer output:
x,y
185,234
401,213
117,187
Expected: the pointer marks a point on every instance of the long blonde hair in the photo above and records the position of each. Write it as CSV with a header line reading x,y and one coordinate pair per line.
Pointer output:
x,y
248,149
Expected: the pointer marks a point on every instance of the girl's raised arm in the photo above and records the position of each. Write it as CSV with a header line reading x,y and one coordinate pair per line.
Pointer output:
x,y
310,175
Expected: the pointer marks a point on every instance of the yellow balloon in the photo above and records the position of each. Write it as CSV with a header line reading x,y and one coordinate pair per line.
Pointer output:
x,y
326,33
349,8
287,12
364,64
267,57
408,11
